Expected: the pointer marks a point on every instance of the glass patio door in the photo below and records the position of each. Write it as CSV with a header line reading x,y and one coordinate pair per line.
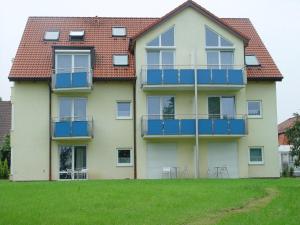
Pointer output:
x,y
161,107
72,109
221,107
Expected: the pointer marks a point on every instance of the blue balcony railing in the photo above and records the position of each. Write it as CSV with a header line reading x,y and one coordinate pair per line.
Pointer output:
x,y
186,125
72,79
70,128
185,75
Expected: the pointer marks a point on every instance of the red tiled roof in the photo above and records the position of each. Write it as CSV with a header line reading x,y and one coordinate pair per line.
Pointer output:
x,y
282,127
5,119
34,56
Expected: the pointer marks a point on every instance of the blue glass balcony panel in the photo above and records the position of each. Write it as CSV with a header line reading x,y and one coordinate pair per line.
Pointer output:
x,y
62,129
188,127
219,76
203,76
187,76
79,79
155,127
170,76
80,128
237,126
204,126
154,76
171,127
63,80
235,77
220,126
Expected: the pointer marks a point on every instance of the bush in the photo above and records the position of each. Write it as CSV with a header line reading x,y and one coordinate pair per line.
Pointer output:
x,y
284,172
1,170
291,172
4,170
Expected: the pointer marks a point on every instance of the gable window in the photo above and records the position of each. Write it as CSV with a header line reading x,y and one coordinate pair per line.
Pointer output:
x,y
124,157
72,62
161,107
166,39
118,31
120,60
73,109
51,36
213,39
221,107
256,155
254,109
251,60
124,110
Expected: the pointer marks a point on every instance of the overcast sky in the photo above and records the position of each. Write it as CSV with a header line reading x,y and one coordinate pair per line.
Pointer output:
x,y
277,22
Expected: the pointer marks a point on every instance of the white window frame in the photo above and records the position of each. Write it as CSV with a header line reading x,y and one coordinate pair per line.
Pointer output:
x,y
51,39
161,113
219,57
73,106
260,109
161,51
219,41
122,55
221,109
77,52
262,156
252,65
130,108
159,40
118,34
124,164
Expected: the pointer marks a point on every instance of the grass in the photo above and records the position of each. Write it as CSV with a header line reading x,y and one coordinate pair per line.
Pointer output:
x,y
141,202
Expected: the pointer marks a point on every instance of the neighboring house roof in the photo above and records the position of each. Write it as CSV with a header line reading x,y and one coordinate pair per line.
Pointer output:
x,y
34,56
5,119
282,127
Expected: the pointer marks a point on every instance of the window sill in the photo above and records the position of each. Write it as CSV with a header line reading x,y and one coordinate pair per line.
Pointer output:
x,y
256,163
124,118
124,165
255,117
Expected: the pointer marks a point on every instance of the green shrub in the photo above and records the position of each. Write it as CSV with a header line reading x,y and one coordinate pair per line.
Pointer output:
x,y
4,169
285,172
291,171
1,170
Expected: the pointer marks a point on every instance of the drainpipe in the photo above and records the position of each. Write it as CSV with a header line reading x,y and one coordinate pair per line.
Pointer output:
x,y
50,132
134,130
196,118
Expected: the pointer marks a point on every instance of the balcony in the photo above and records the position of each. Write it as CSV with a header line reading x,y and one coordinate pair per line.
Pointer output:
x,y
72,80
185,126
183,78
69,129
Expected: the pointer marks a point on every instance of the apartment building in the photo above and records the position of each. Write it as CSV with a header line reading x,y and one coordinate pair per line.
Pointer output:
x,y
187,95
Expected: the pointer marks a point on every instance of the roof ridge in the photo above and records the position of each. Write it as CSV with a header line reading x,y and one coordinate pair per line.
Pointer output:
x,y
91,17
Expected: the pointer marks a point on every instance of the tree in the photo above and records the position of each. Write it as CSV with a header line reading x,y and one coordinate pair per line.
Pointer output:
x,y
293,136
5,149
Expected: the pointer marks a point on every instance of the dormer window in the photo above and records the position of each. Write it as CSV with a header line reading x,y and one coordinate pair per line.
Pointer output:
x,y
76,35
51,36
119,31
213,39
166,39
251,60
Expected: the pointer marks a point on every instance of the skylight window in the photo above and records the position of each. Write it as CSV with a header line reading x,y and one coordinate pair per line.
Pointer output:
x,y
51,35
76,35
120,60
251,60
118,31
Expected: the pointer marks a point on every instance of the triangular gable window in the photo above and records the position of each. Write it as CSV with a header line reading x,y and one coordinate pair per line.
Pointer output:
x,y
165,39
213,39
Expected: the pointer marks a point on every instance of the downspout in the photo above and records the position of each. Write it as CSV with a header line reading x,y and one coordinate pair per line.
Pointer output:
x,y
196,118
134,130
50,132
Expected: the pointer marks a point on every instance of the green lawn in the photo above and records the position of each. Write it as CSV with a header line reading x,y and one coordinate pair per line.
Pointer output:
x,y
139,202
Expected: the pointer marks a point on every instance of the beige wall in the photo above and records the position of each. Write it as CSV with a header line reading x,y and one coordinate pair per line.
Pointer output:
x,y
110,133
30,131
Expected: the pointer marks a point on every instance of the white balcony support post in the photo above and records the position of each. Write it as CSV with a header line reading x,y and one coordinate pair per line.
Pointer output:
x,y
196,118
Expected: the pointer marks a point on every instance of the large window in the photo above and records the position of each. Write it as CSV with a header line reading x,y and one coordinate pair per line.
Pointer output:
x,y
256,155
161,107
160,59
72,109
69,63
123,110
221,107
166,39
72,162
254,109
213,39
124,157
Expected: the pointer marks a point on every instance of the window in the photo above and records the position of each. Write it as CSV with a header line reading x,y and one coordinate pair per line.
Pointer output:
x,y
161,107
51,36
256,155
213,39
251,60
72,162
70,63
73,109
166,39
120,60
160,59
124,110
219,59
76,35
124,157
118,31
221,107
254,109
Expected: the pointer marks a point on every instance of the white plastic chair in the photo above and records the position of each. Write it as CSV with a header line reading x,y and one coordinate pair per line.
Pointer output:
x,y
166,172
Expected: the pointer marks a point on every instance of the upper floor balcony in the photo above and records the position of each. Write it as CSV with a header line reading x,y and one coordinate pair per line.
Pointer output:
x,y
68,128
162,126
170,77
77,79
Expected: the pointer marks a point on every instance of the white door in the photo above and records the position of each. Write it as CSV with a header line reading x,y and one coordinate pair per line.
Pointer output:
x,y
160,155
223,154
